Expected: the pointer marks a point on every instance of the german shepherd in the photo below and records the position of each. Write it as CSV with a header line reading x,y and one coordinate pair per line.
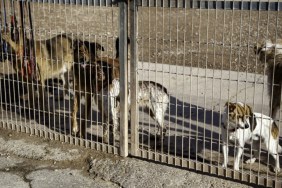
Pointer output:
x,y
54,57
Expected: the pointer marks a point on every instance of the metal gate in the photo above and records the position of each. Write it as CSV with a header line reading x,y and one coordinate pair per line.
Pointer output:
x,y
201,53
44,43
185,61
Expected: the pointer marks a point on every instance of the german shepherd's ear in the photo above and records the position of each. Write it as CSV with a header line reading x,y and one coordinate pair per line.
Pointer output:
x,y
99,47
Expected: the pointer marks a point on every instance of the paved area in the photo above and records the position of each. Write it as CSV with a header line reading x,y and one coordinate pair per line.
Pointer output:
x,y
32,162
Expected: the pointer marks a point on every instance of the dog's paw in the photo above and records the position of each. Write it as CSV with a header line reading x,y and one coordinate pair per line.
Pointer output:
x,y
74,130
255,137
250,161
224,165
106,138
276,170
236,168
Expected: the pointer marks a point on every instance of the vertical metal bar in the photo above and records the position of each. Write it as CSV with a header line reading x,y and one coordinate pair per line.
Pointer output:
x,y
123,79
133,79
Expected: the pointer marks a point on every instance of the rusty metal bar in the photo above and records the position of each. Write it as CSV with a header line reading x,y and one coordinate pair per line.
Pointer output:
x,y
134,123
123,78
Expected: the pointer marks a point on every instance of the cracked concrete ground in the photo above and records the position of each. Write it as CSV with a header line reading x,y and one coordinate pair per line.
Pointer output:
x,y
30,161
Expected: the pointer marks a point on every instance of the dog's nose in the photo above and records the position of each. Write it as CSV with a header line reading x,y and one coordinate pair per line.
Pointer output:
x,y
246,126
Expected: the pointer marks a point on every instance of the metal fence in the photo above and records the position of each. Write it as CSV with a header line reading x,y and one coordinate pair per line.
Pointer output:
x,y
185,61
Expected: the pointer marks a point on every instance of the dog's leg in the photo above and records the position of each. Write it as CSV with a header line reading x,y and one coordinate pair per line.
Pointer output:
x,y
31,95
111,116
103,108
66,83
158,109
251,160
239,153
114,108
115,117
159,117
64,77
271,145
76,103
277,164
88,105
256,152
225,155
224,149
43,97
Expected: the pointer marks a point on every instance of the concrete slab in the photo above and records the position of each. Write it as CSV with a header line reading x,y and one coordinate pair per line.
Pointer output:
x,y
64,178
9,180
34,151
136,173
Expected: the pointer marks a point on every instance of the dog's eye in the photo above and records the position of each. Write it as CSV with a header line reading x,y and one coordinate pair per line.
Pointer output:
x,y
240,116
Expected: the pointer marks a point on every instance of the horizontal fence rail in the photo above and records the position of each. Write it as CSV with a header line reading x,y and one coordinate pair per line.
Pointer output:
x,y
198,4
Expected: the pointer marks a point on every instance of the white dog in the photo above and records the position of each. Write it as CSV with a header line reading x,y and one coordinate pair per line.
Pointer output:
x,y
240,124
151,95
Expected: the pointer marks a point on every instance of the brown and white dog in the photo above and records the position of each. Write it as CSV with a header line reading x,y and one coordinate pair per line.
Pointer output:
x,y
240,125
150,95
103,80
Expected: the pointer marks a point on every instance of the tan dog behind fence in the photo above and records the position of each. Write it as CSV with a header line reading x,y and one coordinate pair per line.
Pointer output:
x,y
53,57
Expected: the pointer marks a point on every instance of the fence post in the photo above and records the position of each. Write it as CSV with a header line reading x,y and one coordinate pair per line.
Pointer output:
x,y
123,78
134,124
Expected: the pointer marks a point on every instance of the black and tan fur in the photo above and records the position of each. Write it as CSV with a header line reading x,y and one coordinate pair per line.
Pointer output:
x,y
105,81
53,58
90,79
92,75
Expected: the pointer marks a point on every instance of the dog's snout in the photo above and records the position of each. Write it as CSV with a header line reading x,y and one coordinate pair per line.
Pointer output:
x,y
246,126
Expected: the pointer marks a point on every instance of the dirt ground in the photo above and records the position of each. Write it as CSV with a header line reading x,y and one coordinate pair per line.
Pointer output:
x,y
214,39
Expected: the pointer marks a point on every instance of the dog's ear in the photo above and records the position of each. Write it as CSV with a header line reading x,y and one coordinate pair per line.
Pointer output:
x,y
231,106
76,43
99,47
248,110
